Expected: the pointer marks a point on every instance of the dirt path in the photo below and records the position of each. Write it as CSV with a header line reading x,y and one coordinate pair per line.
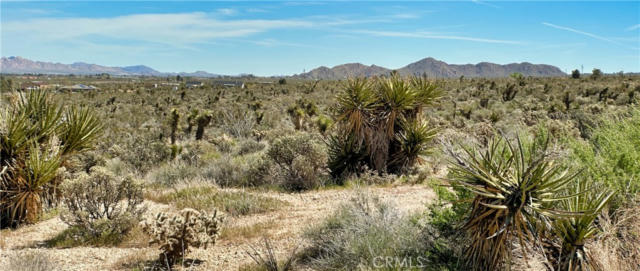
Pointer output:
x,y
284,227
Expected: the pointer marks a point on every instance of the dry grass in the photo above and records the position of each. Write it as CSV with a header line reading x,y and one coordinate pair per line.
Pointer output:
x,y
618,246
246,232
235,203
30,261
76,236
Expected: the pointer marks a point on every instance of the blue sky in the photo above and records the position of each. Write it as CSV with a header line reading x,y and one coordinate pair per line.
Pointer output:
x,y
272,38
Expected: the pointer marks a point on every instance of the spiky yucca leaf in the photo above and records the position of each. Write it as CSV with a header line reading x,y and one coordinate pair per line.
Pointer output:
x,y
413,140
14,136
397,97
79,130
355,105
24,190
42,114
29,154
426,92
345,154
575,231
514,185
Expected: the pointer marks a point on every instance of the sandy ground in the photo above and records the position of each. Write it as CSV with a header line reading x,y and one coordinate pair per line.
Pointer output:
x,y
285,229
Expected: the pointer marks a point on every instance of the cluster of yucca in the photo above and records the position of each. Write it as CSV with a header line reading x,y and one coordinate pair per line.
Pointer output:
x,y
522,196
379,124
176,233
37,137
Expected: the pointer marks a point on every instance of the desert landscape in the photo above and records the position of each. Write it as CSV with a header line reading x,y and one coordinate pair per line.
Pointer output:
x,y
416,165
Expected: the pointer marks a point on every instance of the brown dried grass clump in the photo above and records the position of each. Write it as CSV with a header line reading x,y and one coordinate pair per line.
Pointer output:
x,y
617,247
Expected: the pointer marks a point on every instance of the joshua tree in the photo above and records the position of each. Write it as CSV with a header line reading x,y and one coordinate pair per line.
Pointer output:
x,y
173,123
382,119
575,74
202,121
596,73
37,137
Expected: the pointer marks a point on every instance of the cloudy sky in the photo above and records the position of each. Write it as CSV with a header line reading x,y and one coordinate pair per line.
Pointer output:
x,y
272,38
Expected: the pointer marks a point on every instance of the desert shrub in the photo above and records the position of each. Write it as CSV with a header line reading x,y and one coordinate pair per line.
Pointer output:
x,y
250,146
37,136
224,143
226,172
141,151
171,173
115,166
102,204
361,235
261,171
301,160
235,203
371,177
237,122
617,246
268,261
177,233
32,260
612,155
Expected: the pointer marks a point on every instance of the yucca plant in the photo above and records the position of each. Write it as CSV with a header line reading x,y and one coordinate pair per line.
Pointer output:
x,y
413,140
373,113
515,185
345,154
356,105
79,131
573,232
24,192
37,136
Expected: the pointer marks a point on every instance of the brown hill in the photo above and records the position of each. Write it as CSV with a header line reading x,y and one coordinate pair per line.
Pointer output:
x,y
435,68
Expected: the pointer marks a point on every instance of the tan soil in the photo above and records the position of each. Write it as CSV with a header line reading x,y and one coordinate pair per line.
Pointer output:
x,y
285,231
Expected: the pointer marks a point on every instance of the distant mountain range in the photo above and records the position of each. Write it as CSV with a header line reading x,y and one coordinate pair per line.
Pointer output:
x,y
428,66
434,68
19,65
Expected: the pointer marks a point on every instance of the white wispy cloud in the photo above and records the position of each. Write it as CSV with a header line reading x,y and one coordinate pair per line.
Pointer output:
x,y
176,29
432,35
257,10
277,43
227,11
587,34
485,3
633,27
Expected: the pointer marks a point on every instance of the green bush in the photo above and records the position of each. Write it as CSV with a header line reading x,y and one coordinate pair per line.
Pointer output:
x,y
611,155
301,161
361,235
172,173
102,204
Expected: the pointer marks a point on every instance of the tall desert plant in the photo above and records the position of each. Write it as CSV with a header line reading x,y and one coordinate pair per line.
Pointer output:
x,y
515,185
37,136
377,117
